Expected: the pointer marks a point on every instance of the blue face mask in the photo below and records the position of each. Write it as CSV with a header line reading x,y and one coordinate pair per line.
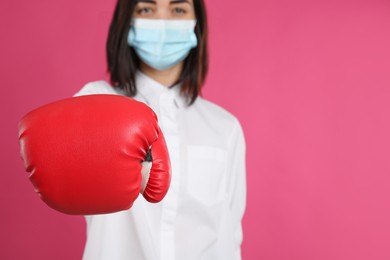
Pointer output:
x,y
162,43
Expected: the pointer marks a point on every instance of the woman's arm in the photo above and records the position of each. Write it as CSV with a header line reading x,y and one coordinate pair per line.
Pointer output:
x,y
237,184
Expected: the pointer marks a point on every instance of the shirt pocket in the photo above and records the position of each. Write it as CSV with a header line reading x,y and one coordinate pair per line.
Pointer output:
x,y
207,174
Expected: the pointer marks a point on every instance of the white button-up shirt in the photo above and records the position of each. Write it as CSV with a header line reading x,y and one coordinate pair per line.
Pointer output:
x,y
200,217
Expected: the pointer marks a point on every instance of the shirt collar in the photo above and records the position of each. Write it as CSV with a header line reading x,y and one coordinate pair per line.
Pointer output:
x,y
151,90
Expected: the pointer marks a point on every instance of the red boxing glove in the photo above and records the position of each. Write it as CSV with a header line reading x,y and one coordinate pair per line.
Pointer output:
x,y
85,154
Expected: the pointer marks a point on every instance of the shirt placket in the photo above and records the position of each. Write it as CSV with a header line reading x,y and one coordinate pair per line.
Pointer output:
x,y
168,122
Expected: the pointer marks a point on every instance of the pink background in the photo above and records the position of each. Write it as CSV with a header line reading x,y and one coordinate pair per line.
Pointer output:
x,y
309,80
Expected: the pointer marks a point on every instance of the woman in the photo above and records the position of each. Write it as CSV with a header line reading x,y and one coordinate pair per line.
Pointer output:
x,y
157,54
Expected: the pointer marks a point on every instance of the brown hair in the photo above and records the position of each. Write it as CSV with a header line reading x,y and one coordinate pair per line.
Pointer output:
x,y
123,62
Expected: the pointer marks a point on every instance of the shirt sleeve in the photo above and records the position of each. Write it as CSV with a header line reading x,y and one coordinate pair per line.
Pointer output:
x,y
97,87
237,184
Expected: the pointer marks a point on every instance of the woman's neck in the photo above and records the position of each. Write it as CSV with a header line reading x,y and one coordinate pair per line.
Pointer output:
x,y
166,77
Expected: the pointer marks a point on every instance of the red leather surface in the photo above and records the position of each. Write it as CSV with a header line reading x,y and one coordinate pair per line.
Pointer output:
x,y
84,153
160,178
